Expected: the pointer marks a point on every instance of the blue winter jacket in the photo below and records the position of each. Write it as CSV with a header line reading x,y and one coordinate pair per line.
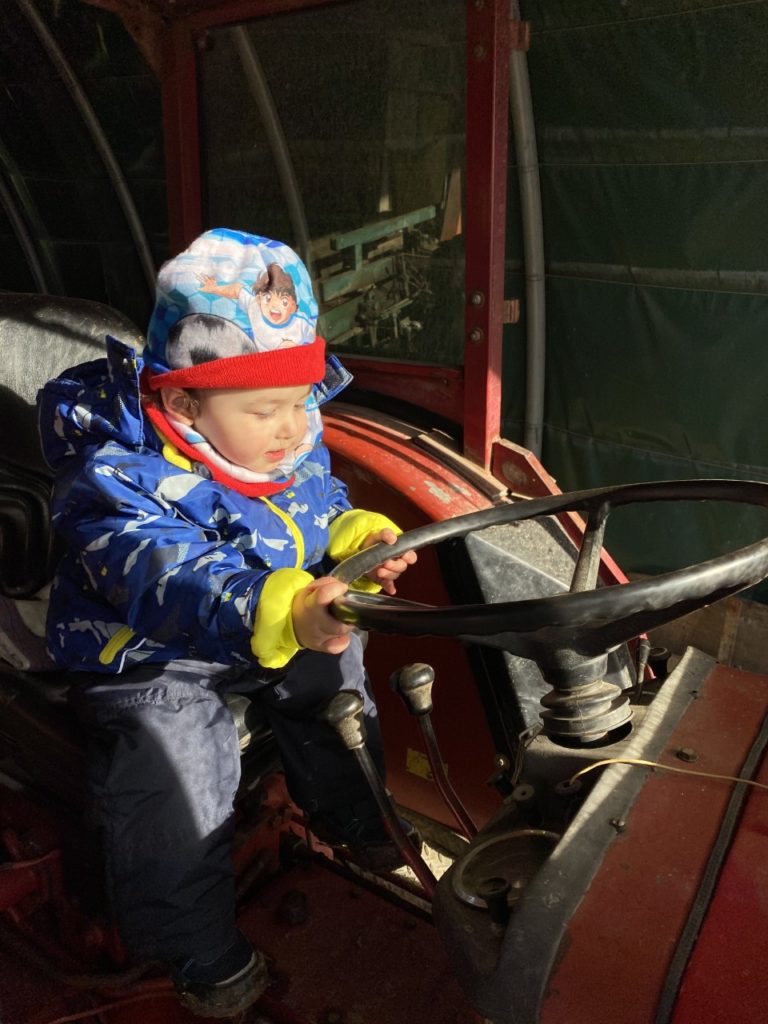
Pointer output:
x,y
162,562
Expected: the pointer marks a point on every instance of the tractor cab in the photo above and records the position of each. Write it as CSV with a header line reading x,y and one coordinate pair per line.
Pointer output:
x,y
592,807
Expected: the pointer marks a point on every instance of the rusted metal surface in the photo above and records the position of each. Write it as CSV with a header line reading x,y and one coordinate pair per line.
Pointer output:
x,y
347,936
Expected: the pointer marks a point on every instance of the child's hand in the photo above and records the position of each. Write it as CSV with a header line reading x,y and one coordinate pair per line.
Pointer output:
x,y
314,625
386,573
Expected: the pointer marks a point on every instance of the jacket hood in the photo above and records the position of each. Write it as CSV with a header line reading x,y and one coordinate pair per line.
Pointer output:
x,y
93,404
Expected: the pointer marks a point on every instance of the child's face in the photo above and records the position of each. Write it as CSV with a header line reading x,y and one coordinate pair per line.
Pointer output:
x,y
276,307
256,427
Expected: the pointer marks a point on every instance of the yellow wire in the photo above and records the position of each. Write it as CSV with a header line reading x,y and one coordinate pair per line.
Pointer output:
x,y
664,767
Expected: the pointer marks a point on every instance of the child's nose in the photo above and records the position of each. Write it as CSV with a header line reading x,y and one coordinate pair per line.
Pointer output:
x,y
287,426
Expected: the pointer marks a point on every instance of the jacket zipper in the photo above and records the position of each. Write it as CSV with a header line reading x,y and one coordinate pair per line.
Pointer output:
x,y
295,532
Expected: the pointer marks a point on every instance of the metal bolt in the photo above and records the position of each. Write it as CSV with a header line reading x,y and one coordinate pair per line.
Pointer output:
x,y
479,52
687,754
476,335
568,788
477,298
204,42
619,824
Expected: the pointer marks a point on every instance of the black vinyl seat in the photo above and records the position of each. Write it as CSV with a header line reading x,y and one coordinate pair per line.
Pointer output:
x,y
40,739
40,335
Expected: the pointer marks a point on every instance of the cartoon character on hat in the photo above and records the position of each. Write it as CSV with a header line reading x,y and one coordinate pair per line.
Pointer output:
x,y
271,306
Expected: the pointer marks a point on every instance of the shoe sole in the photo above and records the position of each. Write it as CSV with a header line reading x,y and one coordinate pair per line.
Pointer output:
x,y
230,998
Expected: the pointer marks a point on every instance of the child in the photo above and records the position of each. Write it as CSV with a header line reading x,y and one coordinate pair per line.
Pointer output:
x,y
195,496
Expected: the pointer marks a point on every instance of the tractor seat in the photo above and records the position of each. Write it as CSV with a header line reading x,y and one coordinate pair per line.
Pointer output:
x,y
40,336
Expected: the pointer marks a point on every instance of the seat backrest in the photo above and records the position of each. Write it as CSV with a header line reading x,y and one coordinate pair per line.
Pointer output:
x,y
40,336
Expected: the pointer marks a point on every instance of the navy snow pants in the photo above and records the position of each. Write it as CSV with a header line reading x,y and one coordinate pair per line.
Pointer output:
x,y
164,767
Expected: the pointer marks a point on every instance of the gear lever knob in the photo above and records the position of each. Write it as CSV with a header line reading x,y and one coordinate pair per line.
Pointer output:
x,y
344,714
414,684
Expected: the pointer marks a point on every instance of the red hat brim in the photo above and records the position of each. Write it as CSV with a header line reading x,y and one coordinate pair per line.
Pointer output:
x,y
282,367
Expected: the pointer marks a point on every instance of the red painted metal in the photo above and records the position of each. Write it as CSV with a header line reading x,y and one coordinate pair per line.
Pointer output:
x,y
182,139
525,476
486,221
726,980
231,12
385,470
439,390
181,106
620,941
333,961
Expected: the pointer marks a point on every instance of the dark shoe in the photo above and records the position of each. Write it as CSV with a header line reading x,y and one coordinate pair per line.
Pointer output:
x,y
366,842
222,987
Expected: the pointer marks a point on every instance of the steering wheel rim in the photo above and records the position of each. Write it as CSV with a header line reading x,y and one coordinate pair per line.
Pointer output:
x,y
586,623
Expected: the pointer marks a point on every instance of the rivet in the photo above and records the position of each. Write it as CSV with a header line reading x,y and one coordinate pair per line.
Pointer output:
x,y
476,335
479,52
687,754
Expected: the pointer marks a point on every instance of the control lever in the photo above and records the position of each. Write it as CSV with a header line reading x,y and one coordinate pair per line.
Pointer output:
x,y
495,891
414,684
344,714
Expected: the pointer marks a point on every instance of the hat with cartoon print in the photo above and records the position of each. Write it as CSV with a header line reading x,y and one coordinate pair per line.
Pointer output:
x,y
234,310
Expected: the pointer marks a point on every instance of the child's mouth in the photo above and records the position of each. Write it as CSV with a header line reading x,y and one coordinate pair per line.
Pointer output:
x,y
275,456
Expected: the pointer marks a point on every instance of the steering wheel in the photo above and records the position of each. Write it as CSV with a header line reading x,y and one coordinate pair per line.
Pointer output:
x,y
566,633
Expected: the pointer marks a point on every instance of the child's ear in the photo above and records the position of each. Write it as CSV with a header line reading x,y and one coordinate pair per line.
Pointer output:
x,y
179,403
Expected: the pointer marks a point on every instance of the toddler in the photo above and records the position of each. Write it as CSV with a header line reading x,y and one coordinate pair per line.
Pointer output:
x,y
201,519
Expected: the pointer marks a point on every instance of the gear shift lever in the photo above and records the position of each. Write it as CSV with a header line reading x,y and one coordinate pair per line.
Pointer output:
x,y
344,714
414,684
